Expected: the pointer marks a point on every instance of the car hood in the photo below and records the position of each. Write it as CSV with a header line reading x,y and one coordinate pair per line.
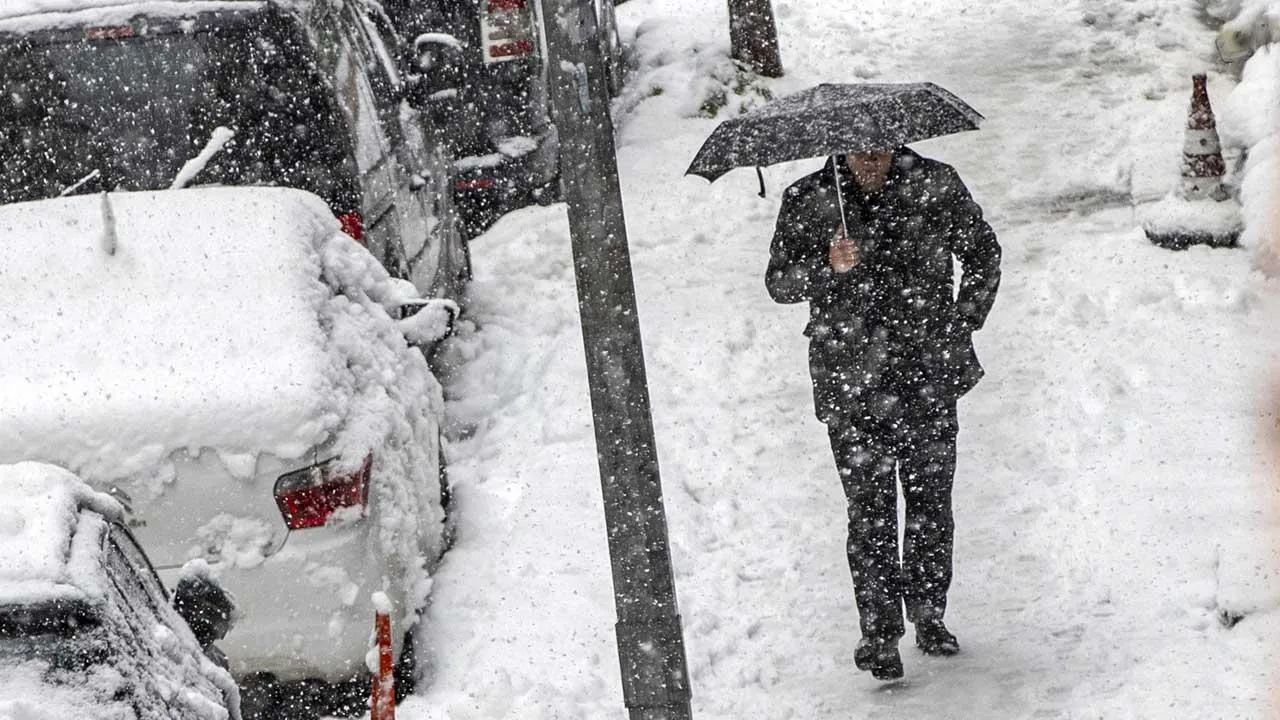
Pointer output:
x,y
138,324
28,693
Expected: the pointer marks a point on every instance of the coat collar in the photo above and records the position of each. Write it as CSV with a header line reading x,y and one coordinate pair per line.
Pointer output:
x,y
904,160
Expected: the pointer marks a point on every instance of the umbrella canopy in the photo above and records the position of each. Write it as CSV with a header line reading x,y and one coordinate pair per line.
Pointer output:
x,y
831,120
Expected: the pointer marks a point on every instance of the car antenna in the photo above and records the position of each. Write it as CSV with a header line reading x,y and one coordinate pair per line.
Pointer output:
x,y
110,241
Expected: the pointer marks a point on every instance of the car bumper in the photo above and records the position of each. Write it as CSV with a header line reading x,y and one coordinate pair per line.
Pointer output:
x,y
511,175
305,612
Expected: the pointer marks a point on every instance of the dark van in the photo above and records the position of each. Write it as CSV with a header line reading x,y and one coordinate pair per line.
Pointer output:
x,y
126,95
487,57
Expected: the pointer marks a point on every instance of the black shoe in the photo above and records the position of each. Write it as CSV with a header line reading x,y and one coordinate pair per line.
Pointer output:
x,y
880,658
933,638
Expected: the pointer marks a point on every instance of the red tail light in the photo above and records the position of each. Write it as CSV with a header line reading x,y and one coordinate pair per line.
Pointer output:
x,y
474,184
112,32
508,30
308,497
514,49
352,224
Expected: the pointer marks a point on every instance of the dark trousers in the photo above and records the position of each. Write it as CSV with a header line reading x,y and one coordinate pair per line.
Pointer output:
x,y
918,450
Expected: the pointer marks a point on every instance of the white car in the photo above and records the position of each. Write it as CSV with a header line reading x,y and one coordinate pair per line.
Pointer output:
x,y
86,629
225,362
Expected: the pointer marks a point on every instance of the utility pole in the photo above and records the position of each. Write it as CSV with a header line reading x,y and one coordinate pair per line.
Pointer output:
x,y
655,678
753,36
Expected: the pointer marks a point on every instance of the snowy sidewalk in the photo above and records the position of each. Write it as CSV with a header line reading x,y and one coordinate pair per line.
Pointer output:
x,y
1111,492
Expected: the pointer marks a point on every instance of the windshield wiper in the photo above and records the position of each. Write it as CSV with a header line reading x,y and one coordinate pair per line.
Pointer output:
x,y
80,183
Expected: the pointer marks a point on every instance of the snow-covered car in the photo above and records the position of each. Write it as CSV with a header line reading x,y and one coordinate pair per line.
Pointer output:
x,y
127,95
226,362
86,628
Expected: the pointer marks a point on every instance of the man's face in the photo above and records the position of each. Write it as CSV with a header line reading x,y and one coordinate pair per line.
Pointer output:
x,y
870,167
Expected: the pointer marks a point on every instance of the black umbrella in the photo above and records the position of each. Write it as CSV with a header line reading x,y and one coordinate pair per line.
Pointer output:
x,y
831,120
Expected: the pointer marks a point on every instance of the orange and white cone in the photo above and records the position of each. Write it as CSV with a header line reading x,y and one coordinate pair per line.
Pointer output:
x,y
1199,210
1202,163
382,701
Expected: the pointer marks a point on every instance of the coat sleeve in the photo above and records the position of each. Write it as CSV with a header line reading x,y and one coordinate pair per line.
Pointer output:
x,y
798,266
974,244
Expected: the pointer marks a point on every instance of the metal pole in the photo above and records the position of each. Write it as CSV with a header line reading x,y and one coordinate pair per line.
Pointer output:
x,y
655,681
753,36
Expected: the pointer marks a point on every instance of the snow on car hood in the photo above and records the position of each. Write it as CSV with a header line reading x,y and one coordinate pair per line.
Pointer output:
x,y
123,347
26,694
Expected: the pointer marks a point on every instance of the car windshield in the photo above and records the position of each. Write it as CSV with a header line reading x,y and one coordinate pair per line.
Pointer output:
x,y
66,634
127,110
54,617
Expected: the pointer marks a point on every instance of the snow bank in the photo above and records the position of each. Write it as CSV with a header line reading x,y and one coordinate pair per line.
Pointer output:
x,y
113,361
1250,116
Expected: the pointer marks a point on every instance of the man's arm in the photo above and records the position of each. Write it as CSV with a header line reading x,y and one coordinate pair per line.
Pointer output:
x,y
799,264
974,243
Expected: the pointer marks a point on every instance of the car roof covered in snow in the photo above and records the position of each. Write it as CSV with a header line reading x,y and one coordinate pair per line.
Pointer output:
x,y
30,15
44,554
137,324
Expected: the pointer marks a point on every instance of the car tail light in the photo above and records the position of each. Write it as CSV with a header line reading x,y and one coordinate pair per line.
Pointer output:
x,y
474,184
508,29
308,497
352,224
110,32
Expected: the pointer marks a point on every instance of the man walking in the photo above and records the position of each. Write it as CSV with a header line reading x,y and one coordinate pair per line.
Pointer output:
x,y
868,242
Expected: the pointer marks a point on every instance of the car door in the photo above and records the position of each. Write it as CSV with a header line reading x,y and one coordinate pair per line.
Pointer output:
x,y
345,62
432,245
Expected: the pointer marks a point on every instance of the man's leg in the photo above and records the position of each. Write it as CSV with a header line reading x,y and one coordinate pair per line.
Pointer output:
x,y
867,472
928,468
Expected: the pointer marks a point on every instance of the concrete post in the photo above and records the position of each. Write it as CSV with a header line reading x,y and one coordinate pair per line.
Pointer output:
x,y
655,679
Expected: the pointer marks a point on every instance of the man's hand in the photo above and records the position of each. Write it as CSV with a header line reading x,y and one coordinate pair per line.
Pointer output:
x,y
843,254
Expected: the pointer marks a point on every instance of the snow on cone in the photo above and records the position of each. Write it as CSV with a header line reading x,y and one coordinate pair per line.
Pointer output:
x,y
1199,211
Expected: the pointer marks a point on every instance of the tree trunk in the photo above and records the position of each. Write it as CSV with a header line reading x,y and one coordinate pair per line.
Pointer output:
x,y
754,36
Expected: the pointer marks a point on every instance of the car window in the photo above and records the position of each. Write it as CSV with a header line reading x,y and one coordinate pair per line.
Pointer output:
x,y
357,99
128,112
384,46
63,618
142,598
129,548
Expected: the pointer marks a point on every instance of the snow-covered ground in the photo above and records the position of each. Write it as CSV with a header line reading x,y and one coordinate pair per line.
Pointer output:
x,y
1115,495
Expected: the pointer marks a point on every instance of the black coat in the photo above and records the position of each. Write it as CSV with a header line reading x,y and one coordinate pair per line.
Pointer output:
x,y
887,338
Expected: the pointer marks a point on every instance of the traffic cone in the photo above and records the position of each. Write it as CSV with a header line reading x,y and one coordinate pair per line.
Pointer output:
x,y
1199,211
1202,163
382,703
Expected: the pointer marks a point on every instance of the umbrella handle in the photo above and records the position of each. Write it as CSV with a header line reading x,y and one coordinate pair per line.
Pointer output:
x,y
835,172
760,175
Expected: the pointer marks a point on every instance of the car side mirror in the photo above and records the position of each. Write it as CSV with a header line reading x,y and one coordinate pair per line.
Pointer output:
x,y
433,87
206,607
427,322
